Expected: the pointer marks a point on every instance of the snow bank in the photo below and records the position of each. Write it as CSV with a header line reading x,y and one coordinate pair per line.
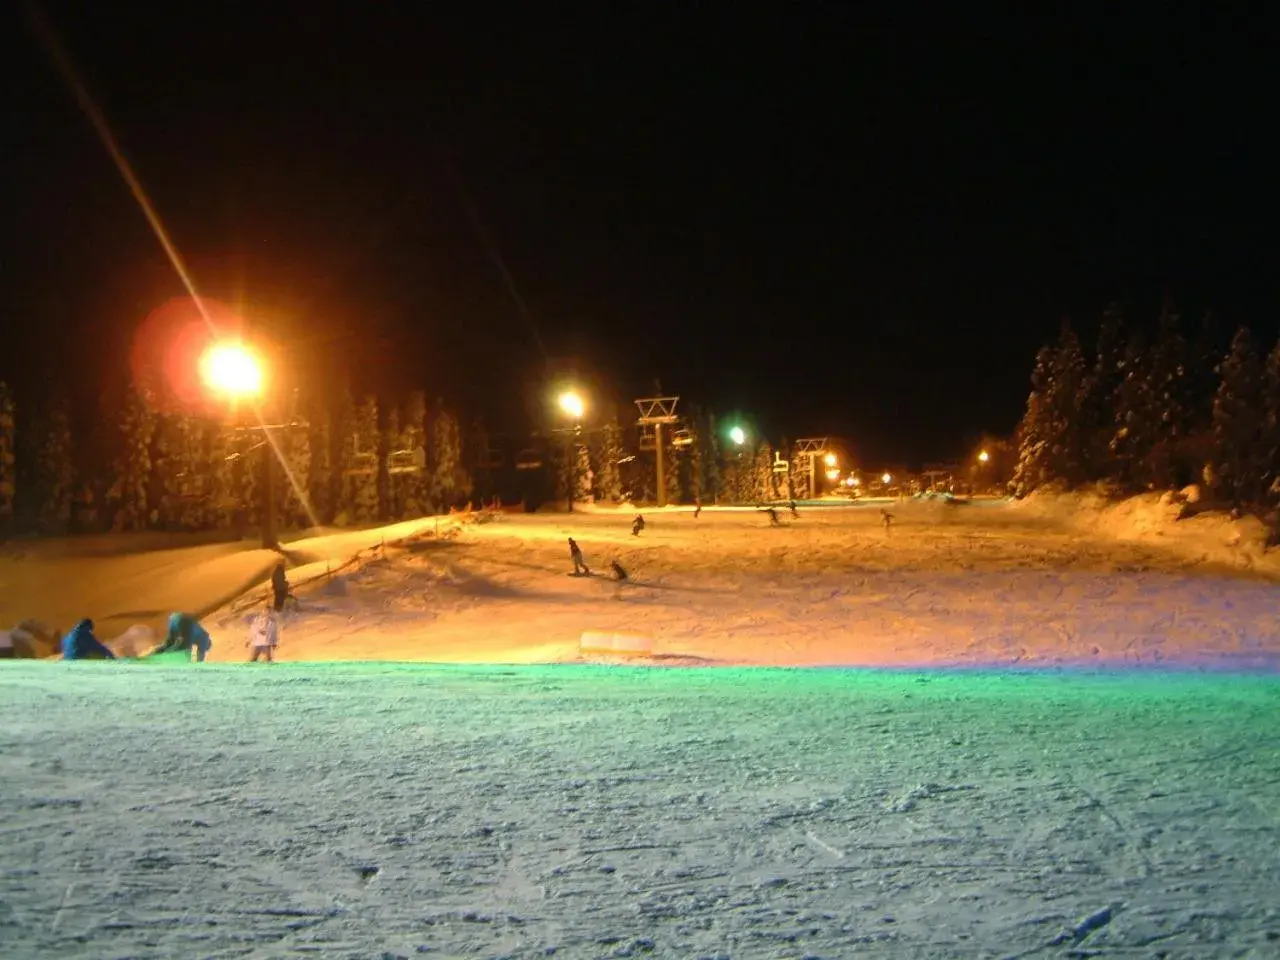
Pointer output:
x,y
1212,538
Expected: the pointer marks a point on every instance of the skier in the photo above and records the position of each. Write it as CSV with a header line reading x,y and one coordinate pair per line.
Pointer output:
x,y
81,644
637,525
795,513
279,587
886,518
264,635
619,574
575,554
185,633
697,507
773,517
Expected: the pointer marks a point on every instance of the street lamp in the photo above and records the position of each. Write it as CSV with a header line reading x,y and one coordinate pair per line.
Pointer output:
x,y
830,460
738,435
572,404
983,456
237,373
233,370
886,479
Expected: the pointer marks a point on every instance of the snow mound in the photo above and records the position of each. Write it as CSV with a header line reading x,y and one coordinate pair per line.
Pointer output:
x,y
1158,520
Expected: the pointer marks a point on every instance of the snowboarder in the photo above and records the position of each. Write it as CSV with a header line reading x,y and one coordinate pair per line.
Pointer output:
x,y
279,587
575,554
794,512
637,525
81,644
185,633
886,518
697,507
619,574
264,635
773,517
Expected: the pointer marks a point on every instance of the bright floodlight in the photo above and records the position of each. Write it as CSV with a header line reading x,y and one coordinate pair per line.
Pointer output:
x,y
833,474
886,479
983,456
571,403
233,369
738,435
855,481
829,460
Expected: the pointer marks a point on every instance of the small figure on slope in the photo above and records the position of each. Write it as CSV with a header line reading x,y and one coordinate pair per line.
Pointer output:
x,y
619,573
264,635
637,525
886,518
697,507
279,587
81,644
575,554
794,512
773,517
185,633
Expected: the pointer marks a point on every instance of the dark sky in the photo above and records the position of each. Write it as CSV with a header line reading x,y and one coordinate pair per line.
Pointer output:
x,y
838,222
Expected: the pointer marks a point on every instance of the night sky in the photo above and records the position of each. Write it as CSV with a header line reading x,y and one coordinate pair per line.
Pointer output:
x,y
835,222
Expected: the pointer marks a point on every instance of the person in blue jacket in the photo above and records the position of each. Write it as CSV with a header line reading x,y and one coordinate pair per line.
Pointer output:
x,y
185,633
81,644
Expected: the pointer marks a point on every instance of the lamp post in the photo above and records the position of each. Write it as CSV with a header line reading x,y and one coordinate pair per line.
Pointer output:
x,y
236,372
573,406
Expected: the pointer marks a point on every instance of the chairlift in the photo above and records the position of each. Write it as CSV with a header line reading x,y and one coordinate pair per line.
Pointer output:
x,y
361,465
529,458
682,437
412,460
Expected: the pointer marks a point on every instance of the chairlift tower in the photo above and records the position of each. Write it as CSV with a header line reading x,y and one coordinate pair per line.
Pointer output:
x,y
656,413
811,448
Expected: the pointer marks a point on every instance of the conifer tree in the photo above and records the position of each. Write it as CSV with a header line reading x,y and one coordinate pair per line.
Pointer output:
x,y
450,484
1238,423
54,474
364,495
1066,391
584,477
764,486
1136,420
1098,406
415,488
1269,451
8,458
608,458
1035,432
1168,389
320,478
130,496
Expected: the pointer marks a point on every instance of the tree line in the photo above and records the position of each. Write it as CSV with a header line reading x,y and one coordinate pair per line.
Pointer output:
x,y
341,461
1155,411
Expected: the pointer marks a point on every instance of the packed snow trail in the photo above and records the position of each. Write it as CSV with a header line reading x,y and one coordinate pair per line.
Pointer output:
x,y
392,810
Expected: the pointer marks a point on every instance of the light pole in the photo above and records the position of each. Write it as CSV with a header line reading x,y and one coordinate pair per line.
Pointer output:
x,y
233,370
572,405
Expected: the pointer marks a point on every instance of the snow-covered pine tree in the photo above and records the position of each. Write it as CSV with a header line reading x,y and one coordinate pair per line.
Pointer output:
x,y
1135,418
450,483
8,459
584,476
1167,374
293,476
1097,408
1270,445
1066,391
1035,432
710,479
1237,423
320,479
393,506
608,456
415,488
130,495
764,486
54,473
364,498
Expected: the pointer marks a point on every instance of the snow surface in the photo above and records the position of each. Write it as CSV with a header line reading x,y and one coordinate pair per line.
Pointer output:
x,y
979,585
378,810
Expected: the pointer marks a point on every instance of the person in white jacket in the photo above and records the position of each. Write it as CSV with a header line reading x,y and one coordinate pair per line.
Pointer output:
x,y
264,635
